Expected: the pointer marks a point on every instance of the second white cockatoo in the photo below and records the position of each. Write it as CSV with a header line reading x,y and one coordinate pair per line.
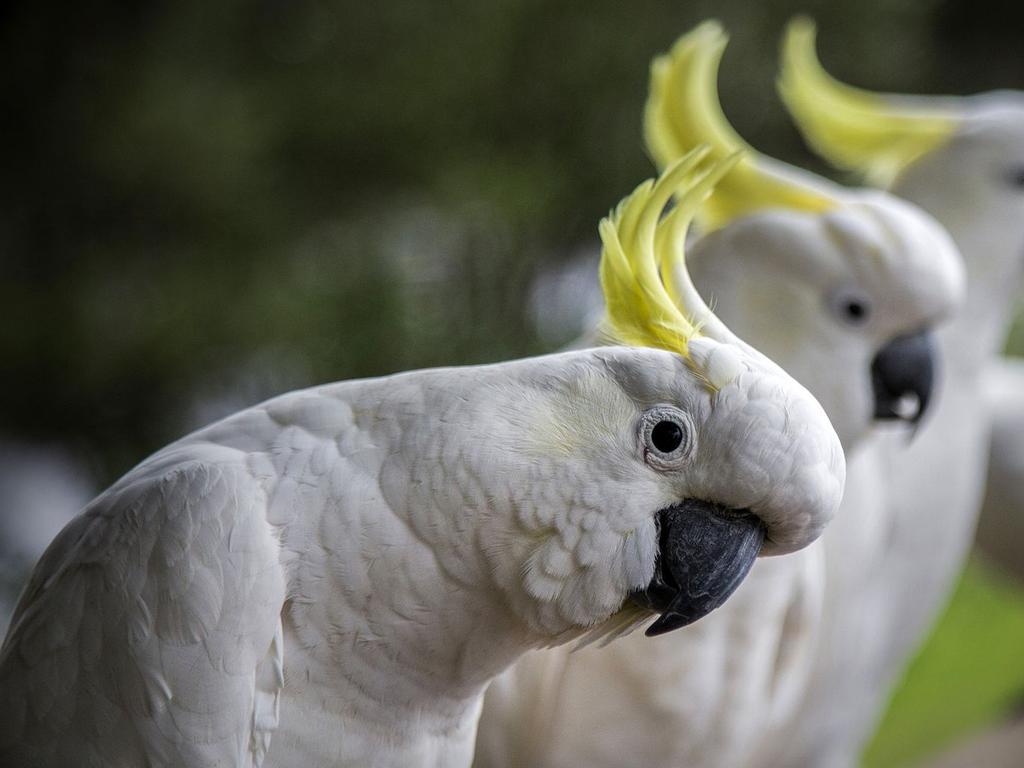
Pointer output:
x,y
844,288
960,159
333,577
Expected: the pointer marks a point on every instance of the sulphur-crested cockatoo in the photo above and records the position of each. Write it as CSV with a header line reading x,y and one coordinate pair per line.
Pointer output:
x,y
843,287
959,159
333,577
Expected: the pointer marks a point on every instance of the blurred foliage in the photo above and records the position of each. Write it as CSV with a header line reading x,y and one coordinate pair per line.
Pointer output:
x,y
970,672
206,204
1015,344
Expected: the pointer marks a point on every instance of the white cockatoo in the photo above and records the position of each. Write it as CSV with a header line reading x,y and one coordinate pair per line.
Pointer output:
x,y
960,160
333,577
844,287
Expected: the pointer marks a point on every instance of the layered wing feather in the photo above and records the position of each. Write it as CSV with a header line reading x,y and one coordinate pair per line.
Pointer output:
x,y
150,631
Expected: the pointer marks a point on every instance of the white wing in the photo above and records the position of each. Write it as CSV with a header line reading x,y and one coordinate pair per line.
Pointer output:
x,y
149,633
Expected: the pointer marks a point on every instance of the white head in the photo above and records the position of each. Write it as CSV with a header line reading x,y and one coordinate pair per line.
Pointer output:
x,y
625,483
656,474
961,159
838,286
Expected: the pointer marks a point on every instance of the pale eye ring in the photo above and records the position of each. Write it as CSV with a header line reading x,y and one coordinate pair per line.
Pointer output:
x,y
667,436
851,306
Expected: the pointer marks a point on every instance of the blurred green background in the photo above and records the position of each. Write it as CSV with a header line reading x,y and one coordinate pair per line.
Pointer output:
x,y
203,204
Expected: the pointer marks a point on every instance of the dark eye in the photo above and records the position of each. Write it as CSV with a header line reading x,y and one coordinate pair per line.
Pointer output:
x,y
856,311
1015,177
666,436
851,306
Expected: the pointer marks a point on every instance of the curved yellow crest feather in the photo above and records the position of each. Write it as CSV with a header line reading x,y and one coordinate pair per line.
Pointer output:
x,y
683,111
875,135
641,248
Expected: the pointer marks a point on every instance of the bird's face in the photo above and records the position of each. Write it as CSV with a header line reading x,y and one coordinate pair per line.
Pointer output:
x,y
845,301
651,490
974,184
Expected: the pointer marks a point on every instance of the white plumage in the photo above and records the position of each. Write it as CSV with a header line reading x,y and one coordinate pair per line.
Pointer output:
x,y
714,694
958,159
332,577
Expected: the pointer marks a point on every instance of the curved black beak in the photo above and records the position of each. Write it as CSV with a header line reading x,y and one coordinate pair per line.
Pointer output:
x,y
706,552
902,372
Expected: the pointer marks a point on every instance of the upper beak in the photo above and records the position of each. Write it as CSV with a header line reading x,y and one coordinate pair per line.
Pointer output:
x,y
706,551
905,367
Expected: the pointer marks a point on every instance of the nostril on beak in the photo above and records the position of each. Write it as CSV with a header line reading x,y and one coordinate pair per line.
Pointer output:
x,y
903,375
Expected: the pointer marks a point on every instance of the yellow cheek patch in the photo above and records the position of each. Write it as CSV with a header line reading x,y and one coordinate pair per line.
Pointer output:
x,y
877,136
683,111
578,420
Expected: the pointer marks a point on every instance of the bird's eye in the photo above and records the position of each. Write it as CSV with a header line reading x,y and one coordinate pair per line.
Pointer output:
x,y
855,310
851,307
667,436
1015,177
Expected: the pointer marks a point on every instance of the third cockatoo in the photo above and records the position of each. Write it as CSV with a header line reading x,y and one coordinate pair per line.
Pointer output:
x,y
844,288
331,578
960,159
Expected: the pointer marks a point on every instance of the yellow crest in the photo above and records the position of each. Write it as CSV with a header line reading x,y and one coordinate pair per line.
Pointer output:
x,y
875,135
683,111
650,299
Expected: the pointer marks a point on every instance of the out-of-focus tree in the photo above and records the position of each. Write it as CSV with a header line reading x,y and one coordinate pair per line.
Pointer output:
x,y
203,204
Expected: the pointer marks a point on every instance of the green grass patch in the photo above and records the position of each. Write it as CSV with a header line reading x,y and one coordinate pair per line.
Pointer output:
x,y
969,673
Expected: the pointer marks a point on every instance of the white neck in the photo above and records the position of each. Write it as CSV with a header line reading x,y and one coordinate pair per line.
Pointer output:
x,y
979,330
394,623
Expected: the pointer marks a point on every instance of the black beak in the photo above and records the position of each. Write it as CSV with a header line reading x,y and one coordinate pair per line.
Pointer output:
x,y
904,370
706,551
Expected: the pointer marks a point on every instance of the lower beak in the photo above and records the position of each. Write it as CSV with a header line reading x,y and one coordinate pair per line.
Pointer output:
x,y
902,372
705,552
